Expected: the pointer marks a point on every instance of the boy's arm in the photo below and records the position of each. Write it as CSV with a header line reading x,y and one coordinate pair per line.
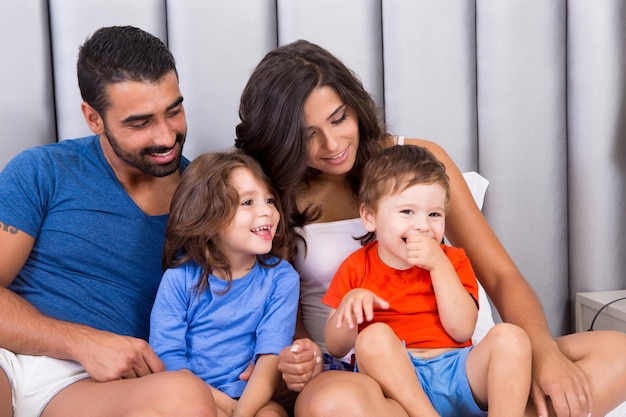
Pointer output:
x,y
260,387
457,310
342,326
339,340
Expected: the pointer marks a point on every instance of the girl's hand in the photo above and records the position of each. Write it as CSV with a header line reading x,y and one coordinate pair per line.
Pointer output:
x,y
358,305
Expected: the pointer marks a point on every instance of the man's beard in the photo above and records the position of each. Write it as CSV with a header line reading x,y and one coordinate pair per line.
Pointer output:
x,y
142,162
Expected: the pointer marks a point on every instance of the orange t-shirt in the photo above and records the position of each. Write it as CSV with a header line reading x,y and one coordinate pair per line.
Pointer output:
x,y
412,312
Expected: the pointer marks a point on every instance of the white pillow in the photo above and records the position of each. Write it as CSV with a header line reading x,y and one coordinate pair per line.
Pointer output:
x,y
478,186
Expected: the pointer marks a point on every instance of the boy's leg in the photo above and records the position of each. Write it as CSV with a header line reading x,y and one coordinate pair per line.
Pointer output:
x,y
382,356
160,394
499,369
6,403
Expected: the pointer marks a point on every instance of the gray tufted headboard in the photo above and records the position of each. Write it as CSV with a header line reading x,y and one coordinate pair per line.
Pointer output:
x,y
530,93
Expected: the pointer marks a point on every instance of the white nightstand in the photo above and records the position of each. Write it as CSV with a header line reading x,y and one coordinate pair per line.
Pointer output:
x,y
612,317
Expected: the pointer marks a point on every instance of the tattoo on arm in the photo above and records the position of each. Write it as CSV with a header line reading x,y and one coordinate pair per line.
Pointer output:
x,y
8,228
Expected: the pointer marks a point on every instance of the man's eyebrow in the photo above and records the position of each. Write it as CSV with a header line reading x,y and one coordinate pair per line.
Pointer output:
x,y
136,117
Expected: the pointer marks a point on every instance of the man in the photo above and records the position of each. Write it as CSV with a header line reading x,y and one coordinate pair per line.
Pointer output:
x,y
81,231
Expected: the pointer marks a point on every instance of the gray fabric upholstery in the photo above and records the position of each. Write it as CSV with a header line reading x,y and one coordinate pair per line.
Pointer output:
x,y
530,93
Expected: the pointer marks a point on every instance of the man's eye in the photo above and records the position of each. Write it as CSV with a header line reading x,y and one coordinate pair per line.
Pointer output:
x,y
140,125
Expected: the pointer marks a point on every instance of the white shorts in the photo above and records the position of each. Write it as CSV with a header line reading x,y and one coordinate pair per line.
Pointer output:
x,y
35,380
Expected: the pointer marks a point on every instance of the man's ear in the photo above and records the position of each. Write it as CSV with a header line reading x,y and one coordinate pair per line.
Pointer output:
x,y
368,217
93,119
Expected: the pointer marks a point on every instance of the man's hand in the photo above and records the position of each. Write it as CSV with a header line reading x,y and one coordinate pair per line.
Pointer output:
x,y
107,357
299,363
558,378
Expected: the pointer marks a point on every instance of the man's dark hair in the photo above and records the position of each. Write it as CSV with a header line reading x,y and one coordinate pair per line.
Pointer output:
x,y
116,54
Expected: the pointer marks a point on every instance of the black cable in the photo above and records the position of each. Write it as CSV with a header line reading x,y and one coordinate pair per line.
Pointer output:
x,y
600,310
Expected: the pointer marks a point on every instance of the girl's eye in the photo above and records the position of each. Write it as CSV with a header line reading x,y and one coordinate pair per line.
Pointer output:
x,y
271,201
246,203
407,211
435,214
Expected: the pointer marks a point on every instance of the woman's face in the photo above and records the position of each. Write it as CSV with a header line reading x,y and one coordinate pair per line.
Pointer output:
x,y
332,130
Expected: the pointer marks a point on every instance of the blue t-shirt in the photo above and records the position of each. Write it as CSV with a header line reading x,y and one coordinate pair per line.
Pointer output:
x,y
97,256
216,336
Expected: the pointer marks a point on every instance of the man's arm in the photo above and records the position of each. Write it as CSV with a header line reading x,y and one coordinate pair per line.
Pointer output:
x,y
23,329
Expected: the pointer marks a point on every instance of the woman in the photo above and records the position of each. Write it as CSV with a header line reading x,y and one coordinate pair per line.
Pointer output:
x,y
309,121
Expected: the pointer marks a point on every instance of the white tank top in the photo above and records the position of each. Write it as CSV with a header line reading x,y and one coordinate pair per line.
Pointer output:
x,y
328,244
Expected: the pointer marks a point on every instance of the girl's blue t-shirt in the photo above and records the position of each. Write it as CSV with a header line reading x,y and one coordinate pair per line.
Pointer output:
x,y
216,334
97,256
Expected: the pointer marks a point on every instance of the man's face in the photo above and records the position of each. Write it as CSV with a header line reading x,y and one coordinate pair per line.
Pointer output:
x,y
145,126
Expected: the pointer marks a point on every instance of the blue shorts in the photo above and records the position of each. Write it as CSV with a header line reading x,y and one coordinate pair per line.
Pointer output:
x,y
335,364
444,380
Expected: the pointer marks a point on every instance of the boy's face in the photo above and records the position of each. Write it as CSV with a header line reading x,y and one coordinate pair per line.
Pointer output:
x,y
419,209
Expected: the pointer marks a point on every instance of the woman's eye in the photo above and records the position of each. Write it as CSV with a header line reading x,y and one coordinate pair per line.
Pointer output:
x,y
343,117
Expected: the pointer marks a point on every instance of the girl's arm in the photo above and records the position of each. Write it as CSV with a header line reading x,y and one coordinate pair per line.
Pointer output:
x,y
260,388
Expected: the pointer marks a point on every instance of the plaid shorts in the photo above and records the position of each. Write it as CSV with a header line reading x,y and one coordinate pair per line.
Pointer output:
x,y
334,364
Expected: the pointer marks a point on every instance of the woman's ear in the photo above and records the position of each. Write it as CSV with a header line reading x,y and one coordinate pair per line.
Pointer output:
x,y
368,217
93,119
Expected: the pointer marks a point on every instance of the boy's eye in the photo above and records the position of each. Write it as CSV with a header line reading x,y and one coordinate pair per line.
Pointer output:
x,y
407,211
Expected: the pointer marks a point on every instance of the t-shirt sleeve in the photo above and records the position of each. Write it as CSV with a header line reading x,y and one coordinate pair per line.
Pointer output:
x,y
25,189
277,327
168,324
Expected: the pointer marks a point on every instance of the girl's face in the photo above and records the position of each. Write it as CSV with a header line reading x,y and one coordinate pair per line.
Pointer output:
x,y
332,130
420,209
251,231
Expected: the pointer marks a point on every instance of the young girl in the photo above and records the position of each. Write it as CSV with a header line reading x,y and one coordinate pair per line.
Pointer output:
x,y
226,298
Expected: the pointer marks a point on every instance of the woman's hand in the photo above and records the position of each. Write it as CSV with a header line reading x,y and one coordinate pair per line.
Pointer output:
x,y
558,378
299,363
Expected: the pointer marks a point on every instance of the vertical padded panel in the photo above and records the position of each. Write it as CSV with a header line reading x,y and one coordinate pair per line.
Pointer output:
x,y
430,74
350,30
597,144
72,21
522,134
217,44
26,98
